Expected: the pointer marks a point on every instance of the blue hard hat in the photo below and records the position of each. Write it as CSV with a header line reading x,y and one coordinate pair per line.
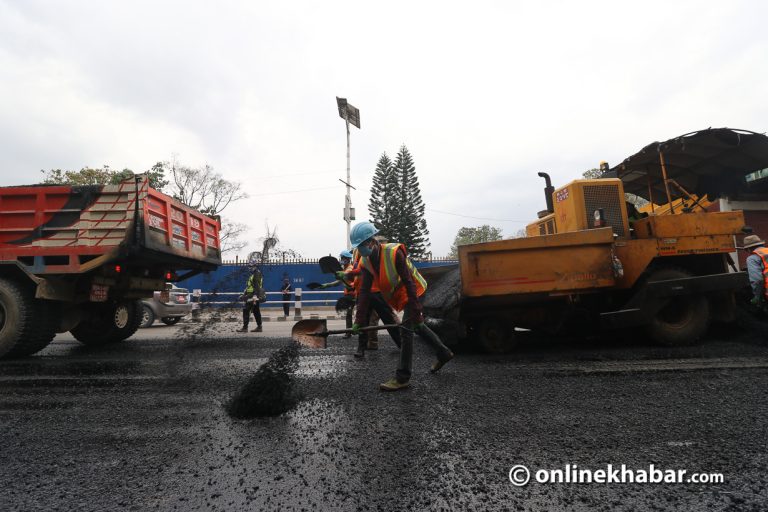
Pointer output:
x,y
361,232
345,254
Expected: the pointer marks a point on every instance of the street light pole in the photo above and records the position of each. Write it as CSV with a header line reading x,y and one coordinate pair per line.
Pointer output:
x,y
348,198
351,115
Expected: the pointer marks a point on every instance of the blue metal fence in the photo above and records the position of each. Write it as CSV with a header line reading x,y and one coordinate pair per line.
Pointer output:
x,y
224,285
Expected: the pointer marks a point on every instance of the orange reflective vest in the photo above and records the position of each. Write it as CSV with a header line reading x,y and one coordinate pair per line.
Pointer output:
x,y
349,286
358,282
762,253
388,281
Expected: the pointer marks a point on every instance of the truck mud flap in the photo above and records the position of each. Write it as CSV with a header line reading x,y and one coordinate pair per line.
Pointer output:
x,y
650,299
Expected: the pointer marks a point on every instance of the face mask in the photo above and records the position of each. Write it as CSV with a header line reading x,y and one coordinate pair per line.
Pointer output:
x,y
364,250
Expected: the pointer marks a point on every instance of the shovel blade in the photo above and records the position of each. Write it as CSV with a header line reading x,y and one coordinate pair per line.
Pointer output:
x,y
310,333
329,265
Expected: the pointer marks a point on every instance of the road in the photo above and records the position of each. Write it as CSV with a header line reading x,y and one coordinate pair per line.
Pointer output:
x,y
141,426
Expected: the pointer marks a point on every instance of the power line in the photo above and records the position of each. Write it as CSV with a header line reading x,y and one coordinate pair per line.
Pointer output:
x,y
294,191
477,218
297,174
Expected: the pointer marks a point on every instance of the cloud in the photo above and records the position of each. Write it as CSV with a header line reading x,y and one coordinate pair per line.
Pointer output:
x,y
484,97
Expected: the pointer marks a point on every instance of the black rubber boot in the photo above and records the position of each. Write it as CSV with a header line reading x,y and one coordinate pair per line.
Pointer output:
x,y
362,342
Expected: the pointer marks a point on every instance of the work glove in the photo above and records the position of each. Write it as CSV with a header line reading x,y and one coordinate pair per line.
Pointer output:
x,y
355,328
340,275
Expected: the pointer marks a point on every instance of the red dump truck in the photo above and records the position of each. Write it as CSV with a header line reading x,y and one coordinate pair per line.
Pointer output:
x,y
79,258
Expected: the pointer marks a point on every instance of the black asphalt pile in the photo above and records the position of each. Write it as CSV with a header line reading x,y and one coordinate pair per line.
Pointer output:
x,y
441,306
442,294
272,389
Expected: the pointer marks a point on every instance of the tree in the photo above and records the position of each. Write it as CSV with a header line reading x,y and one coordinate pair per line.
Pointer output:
x,y
384,197
202,188
271,249
465,236
409,225
208,192
101,176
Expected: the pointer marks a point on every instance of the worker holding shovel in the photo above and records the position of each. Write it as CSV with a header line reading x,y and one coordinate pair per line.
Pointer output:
x,y
390,281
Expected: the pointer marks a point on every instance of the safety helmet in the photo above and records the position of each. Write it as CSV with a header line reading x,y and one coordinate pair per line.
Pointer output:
x,y
345,254
361,232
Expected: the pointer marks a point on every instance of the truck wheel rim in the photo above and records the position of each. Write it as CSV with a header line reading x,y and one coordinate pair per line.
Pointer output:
x,y
121,316
145,316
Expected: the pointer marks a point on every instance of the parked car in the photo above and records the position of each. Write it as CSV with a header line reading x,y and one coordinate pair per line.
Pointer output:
x,y
169,305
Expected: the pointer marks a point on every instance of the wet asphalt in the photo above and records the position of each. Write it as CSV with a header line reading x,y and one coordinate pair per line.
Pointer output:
x,y
142,426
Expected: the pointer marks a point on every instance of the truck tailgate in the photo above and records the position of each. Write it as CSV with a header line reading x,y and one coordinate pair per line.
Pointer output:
x,y
174,228
554,264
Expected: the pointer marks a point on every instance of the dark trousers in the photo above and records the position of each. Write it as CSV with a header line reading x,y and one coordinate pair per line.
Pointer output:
x,y
286,306
403,373
349,318
403,337
377,303
247,308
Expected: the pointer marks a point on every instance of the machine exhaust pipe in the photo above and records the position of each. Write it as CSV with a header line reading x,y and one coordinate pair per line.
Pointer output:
x,y
548,191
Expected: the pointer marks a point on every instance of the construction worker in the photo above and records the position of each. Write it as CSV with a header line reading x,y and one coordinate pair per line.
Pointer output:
x,y
757,268
348,299
391,282
253,288
373,320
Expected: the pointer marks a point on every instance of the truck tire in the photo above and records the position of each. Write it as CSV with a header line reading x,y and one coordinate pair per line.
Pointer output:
x,y
25,327
48,314
147,316
170,320
109,323
494,335
684,319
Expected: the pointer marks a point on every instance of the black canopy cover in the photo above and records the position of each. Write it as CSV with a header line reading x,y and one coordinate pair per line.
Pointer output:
x,y
714,162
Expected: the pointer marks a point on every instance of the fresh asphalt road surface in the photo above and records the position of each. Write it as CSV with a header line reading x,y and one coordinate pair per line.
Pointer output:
x,y
141,426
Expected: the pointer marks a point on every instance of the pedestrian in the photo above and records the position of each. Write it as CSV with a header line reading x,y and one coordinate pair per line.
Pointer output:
x,y
254,289
757,268
391,282
286,291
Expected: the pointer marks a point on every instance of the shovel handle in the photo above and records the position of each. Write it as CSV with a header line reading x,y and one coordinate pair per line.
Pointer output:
x,y
363,329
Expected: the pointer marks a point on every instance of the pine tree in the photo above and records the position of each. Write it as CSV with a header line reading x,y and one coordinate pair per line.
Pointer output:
x,y
410,226
384,197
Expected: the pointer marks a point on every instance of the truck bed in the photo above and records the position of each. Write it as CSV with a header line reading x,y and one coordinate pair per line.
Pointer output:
x,y
72,229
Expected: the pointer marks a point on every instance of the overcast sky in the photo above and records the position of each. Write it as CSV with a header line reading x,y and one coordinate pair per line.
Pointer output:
x,y
484,95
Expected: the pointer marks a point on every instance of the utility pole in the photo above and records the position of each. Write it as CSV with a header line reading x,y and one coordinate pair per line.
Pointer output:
x,y
350,114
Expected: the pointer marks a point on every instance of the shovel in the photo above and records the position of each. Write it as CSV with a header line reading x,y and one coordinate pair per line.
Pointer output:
x,y
329,265
314,333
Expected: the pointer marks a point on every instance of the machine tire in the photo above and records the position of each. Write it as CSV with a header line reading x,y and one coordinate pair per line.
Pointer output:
x,y
147,316
170,320
24,326
684,319
109,323
494,335
48,316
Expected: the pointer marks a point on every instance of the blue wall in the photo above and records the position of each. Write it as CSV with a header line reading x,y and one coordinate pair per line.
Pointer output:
x,y
232,278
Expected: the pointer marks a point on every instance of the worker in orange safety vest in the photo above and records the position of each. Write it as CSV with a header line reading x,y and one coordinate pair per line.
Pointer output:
x,y
389,281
